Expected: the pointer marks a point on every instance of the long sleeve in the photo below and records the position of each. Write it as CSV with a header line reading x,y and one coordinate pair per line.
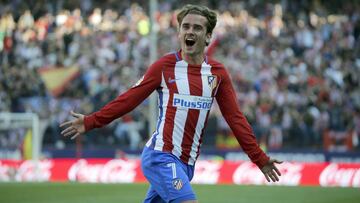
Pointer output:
x,y
242,130
126,101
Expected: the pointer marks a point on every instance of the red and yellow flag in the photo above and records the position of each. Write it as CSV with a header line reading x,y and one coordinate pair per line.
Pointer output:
x,y
57,78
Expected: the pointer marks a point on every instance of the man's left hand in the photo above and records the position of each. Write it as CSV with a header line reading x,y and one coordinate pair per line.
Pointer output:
x,y
270,171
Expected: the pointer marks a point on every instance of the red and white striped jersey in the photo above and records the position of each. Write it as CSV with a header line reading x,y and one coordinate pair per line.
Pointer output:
x,y
186,93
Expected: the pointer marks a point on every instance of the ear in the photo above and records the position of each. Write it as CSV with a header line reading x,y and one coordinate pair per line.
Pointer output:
x,y
207,39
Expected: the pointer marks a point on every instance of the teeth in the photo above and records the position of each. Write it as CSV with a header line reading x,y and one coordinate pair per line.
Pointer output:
x,y
190,42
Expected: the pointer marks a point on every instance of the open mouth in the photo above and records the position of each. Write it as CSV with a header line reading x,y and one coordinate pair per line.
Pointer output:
x,y
189,42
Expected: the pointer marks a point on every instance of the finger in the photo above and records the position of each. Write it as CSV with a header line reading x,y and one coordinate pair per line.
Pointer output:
x,y
275,176
272,177
76,115
65,123
77,134
67,130
277,170
267,177
277,161
70,133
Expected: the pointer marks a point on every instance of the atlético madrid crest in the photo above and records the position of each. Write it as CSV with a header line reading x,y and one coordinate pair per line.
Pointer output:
x,y
212,81
177,184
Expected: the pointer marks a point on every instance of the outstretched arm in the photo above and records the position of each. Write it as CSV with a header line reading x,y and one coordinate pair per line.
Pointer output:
x,y
118,107
238,123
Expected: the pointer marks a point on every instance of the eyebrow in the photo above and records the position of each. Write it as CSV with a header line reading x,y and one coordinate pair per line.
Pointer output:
x,y
195,25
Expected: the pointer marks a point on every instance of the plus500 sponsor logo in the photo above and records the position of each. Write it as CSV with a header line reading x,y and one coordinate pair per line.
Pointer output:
x,y
192,102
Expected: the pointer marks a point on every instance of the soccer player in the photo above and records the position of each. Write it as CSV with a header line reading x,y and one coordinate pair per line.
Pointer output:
x,y
187,82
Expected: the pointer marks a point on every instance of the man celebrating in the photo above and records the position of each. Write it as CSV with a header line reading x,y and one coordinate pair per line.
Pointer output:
x,y
187,83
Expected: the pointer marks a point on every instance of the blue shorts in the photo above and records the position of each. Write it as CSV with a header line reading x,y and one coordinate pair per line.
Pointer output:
x,y
169,177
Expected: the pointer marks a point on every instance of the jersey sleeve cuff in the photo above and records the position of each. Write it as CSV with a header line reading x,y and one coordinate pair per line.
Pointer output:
x,y
88,123
262,161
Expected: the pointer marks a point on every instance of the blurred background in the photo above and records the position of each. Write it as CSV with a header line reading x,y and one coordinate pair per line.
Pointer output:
x,y
295,66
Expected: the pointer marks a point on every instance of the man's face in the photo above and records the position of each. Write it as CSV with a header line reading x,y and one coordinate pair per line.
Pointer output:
x,y
192,34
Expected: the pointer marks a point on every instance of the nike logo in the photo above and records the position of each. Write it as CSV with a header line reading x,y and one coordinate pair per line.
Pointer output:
x,y
172,80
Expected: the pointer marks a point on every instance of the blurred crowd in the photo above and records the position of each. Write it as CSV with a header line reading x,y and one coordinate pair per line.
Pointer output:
x,y
295,67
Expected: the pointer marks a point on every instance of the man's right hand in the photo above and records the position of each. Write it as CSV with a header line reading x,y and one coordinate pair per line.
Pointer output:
x,y
74,127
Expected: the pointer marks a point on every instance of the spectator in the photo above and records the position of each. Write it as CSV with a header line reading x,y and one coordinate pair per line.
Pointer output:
x,y
294,68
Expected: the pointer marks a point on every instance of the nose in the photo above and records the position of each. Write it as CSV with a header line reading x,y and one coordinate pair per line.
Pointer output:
x,y
190,30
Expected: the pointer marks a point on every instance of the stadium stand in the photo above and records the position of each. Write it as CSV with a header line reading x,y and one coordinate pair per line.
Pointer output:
x,y
295,65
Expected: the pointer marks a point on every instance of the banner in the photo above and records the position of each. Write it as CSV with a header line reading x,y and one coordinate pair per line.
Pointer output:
x,y
206,172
